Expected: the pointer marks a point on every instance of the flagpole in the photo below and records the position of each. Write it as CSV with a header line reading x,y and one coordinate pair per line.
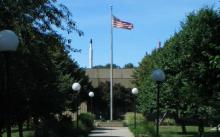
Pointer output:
x,y
111,71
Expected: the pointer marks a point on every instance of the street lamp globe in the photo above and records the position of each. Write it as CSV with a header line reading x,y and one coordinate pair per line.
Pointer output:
x,y
76,87
134,91
158,75
91,94
8,41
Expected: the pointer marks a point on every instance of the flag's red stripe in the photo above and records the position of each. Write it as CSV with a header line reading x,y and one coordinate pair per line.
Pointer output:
x,y
121,24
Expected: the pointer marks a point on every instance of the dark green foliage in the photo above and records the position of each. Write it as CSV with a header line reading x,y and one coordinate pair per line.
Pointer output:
x,y
190,60
29,17
40,72
87,119
129,118
107,66
65,127
144,128
129,65
52,127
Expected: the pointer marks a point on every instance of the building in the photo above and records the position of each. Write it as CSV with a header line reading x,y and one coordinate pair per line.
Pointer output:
x,y
121,76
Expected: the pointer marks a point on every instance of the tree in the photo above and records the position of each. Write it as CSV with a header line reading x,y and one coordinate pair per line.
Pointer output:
x,y
144,84
190,59
129,65
202,29
34,88
114,66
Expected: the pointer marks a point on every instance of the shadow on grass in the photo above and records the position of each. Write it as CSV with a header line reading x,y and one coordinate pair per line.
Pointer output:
x,y
97,132
180,133
16,130
104,128
100,131
192,134
105,136
212,134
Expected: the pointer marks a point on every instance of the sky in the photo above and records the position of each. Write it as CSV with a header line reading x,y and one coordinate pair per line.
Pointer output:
x,y
153,20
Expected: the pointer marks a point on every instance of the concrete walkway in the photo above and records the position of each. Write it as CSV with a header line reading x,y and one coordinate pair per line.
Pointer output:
x,y
111,132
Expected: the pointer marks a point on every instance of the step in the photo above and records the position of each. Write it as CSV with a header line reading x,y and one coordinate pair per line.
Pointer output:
x,y
109,124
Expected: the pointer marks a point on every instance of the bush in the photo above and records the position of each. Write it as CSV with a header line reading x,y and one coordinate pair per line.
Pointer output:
x,y
129,118
87,119
63,126
82,130
144,127
51,127
169,121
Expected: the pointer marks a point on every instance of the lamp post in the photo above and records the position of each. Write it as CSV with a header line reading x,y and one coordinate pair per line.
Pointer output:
x,y
91,95
134,91
8,42
76,87
158,76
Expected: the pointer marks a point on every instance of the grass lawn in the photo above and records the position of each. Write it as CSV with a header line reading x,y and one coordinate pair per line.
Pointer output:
x,y
176,131
170,131
16,134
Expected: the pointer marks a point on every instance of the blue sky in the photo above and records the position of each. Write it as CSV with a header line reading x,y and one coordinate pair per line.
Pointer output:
x,y
154,20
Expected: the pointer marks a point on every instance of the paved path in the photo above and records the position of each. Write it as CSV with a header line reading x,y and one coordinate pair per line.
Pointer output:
x,y
111,132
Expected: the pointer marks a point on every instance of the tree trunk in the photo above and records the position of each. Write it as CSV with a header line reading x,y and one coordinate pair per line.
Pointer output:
x,y
1,132
8,130
183,126
36,128
182,122
217,130
201,129
35,122
20,129
28,124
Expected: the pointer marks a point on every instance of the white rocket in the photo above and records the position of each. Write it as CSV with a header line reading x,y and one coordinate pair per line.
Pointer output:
x,y
90,54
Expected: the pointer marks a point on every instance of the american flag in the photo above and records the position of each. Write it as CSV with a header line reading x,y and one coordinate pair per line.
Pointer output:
x,y
117,23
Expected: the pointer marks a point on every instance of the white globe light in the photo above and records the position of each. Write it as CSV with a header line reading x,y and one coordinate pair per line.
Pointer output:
x,y
76,87
91,94
8,40
134,91
158,75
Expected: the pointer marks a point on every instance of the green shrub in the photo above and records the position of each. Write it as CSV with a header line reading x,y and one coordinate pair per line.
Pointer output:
x,y
144,127
51,127
83,131
87,119
129,118
169,121
64,126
